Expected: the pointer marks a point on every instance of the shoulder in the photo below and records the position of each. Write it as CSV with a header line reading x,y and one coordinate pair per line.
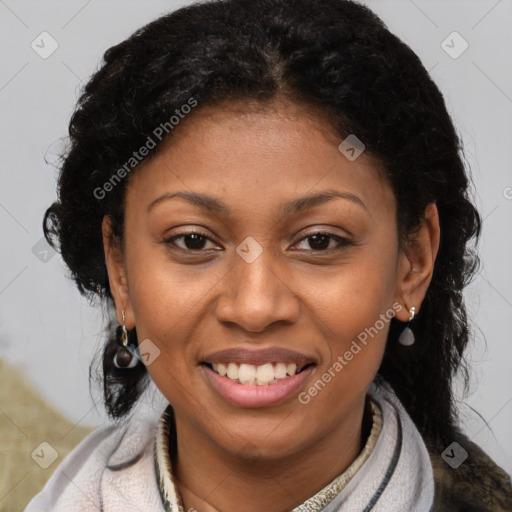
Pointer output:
x,y
478,484
79,470
111,469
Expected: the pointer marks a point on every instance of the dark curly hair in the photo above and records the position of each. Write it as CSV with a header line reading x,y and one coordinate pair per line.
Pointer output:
x,y
334,55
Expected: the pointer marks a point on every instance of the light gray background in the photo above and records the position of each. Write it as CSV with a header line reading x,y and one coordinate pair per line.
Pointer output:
x,y
52,333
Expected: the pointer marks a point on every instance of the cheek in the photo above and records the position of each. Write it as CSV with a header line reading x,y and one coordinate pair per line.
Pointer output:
x,y
352,296
354,306
355,324
164,295
159,300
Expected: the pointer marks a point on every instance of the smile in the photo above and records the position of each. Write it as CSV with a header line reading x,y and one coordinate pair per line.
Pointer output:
x,y
257,377
262,375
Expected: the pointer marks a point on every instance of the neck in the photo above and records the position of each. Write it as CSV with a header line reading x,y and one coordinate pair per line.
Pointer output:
x,y
211,479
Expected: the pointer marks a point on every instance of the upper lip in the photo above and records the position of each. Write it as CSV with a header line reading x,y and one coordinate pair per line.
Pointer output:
x,y
258,356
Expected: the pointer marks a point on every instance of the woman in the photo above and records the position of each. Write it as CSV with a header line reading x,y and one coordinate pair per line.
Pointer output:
x,y
270,198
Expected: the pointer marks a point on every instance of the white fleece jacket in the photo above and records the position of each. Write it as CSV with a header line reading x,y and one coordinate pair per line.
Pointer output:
x,y
113,469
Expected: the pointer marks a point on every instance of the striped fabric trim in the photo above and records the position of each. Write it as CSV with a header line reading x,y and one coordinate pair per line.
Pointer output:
x,y
171,498
331,490
392,464
173,502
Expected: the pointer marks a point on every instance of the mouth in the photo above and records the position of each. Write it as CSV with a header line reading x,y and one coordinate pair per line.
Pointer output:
x,y
261,375
257,378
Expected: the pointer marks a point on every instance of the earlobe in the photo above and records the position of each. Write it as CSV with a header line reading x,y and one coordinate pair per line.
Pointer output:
x,y
116,274
418,264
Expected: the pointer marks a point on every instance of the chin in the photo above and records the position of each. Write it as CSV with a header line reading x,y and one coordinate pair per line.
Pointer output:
x,y
265,441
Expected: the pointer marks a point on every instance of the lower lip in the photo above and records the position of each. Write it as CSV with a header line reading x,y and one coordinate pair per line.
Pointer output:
x,y
257,396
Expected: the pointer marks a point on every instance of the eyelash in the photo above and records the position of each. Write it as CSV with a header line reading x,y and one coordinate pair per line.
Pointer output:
x,y
342,242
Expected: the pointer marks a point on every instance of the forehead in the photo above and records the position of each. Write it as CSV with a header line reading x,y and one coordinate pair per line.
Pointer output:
x,y
262,154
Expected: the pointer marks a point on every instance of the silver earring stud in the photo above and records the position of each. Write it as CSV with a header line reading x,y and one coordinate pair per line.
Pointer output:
x,y
406,337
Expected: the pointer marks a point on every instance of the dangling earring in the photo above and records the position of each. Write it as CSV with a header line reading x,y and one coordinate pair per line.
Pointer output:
x,y
124,357
406,337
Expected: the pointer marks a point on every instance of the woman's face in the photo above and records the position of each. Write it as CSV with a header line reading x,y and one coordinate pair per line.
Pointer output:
x,y
252,293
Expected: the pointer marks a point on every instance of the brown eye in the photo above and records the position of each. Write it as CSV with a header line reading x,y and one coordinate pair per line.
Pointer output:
x,y
191,241
320,241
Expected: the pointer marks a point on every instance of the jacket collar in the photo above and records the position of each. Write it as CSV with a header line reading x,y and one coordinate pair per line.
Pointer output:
x,y
165,437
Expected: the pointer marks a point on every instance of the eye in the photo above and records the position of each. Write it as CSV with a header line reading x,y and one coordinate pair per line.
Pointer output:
x,y
320,241
192,240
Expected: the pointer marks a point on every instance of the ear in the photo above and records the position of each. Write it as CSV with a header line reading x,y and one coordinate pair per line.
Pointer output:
x,y
416,263
117,275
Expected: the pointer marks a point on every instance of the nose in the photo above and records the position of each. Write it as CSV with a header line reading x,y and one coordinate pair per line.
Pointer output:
x,y
256,295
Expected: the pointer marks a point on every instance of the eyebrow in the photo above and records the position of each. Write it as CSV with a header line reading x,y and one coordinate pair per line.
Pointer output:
x,y
293,207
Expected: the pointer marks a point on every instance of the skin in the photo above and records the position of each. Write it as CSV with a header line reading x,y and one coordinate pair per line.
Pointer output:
x,y
294,295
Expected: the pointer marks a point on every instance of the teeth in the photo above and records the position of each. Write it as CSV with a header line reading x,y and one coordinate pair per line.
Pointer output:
x,y
264,374
249,374
232,372
290,368
222,369
280,371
